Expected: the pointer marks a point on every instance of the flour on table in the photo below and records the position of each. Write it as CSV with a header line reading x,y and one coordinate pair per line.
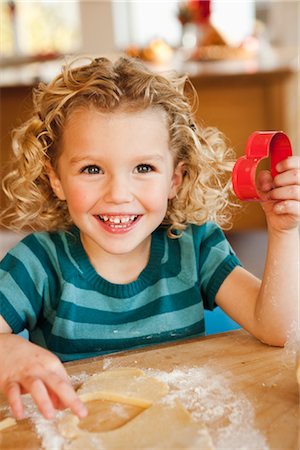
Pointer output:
x,y
291,353
78,379
107,363
151,424
292,347
203,393
207,396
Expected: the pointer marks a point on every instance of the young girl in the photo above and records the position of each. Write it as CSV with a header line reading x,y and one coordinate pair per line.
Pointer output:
x,y
126,196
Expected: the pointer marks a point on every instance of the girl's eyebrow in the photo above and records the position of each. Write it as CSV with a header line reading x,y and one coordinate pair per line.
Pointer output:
x,y
80,158
150,157
86,157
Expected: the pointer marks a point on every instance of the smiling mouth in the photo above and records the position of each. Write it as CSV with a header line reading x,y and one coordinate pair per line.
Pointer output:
x,y
118,221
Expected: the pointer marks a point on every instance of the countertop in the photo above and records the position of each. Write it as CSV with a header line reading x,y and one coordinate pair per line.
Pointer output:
x,y
271,61
244,391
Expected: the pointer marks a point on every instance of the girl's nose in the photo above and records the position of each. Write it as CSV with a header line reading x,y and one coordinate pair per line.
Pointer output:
x,y
118,190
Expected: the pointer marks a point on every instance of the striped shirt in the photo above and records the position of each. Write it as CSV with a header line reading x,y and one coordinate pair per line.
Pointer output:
x,y
48,285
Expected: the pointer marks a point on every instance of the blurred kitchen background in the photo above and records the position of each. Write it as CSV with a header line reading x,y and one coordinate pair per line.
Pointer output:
x,y
242,57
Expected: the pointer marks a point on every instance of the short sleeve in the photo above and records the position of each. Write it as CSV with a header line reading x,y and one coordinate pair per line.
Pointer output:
x,y
216,261
22,284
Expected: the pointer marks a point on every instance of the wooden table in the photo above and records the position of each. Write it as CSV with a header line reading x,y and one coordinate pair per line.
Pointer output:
x,y
265,375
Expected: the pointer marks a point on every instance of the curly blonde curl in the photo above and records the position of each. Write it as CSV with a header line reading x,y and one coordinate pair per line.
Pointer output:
x,y
205,193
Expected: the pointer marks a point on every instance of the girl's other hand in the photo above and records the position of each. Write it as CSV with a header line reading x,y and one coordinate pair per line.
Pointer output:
x,y
28,368
281,195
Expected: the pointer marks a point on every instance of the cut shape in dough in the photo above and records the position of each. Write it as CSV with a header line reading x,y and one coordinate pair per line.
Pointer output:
x,y
125,385
7,422
106,416
159,427
142,422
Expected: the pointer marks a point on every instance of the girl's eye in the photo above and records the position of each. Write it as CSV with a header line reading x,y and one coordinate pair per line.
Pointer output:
x,y
91,170
144,168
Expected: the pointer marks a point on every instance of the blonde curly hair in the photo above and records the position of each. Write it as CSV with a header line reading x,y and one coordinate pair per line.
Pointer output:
x,y
205,193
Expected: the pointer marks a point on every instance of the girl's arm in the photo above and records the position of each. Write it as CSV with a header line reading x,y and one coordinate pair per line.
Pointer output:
x,y
268,309
26,367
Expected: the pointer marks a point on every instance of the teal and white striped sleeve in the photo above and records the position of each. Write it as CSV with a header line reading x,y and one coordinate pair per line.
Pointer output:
x,y
23,281
216,261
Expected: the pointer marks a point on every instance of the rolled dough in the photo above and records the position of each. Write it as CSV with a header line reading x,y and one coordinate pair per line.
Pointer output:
x,y
298,371
124,385
157,428
106,416
150,425
7,422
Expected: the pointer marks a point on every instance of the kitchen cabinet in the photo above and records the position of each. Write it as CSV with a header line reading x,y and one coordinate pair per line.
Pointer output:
x,y
238,97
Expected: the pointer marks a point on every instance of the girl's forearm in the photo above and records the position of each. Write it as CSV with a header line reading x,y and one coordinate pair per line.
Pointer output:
x,y
277,306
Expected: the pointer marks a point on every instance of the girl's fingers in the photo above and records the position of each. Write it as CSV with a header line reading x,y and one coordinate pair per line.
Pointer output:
x,y
66,394
42,392
13,394
288,178
264,181
55,401
41,397
60,389
289,172
292,162
286,193
288,207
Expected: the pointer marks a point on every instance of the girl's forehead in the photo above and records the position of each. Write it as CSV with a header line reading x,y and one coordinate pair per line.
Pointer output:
x,y
122,113
91,125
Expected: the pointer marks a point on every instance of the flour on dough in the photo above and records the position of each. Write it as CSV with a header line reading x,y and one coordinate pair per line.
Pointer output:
x,y
157,428
154,425
125,385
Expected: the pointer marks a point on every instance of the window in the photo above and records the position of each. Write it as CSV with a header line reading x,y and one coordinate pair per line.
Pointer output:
x,y
138,22
6,31
146,20
234,19
70,26
39,27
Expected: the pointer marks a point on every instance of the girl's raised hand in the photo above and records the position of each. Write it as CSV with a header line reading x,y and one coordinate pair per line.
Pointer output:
x,y
28,368
281,195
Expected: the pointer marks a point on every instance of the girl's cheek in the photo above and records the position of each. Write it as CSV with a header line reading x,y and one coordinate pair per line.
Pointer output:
x,y
80,199
155,199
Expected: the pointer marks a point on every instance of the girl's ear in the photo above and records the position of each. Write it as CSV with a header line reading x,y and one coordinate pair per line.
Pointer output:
x,y
55,182
176,179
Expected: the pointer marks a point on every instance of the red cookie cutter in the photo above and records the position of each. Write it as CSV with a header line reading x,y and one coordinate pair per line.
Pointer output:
x,y
259,146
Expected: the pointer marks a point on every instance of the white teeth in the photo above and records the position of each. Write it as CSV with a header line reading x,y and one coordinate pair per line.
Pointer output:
x,y
118,219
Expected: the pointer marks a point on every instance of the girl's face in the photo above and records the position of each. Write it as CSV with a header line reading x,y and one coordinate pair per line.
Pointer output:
x,y
116,173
